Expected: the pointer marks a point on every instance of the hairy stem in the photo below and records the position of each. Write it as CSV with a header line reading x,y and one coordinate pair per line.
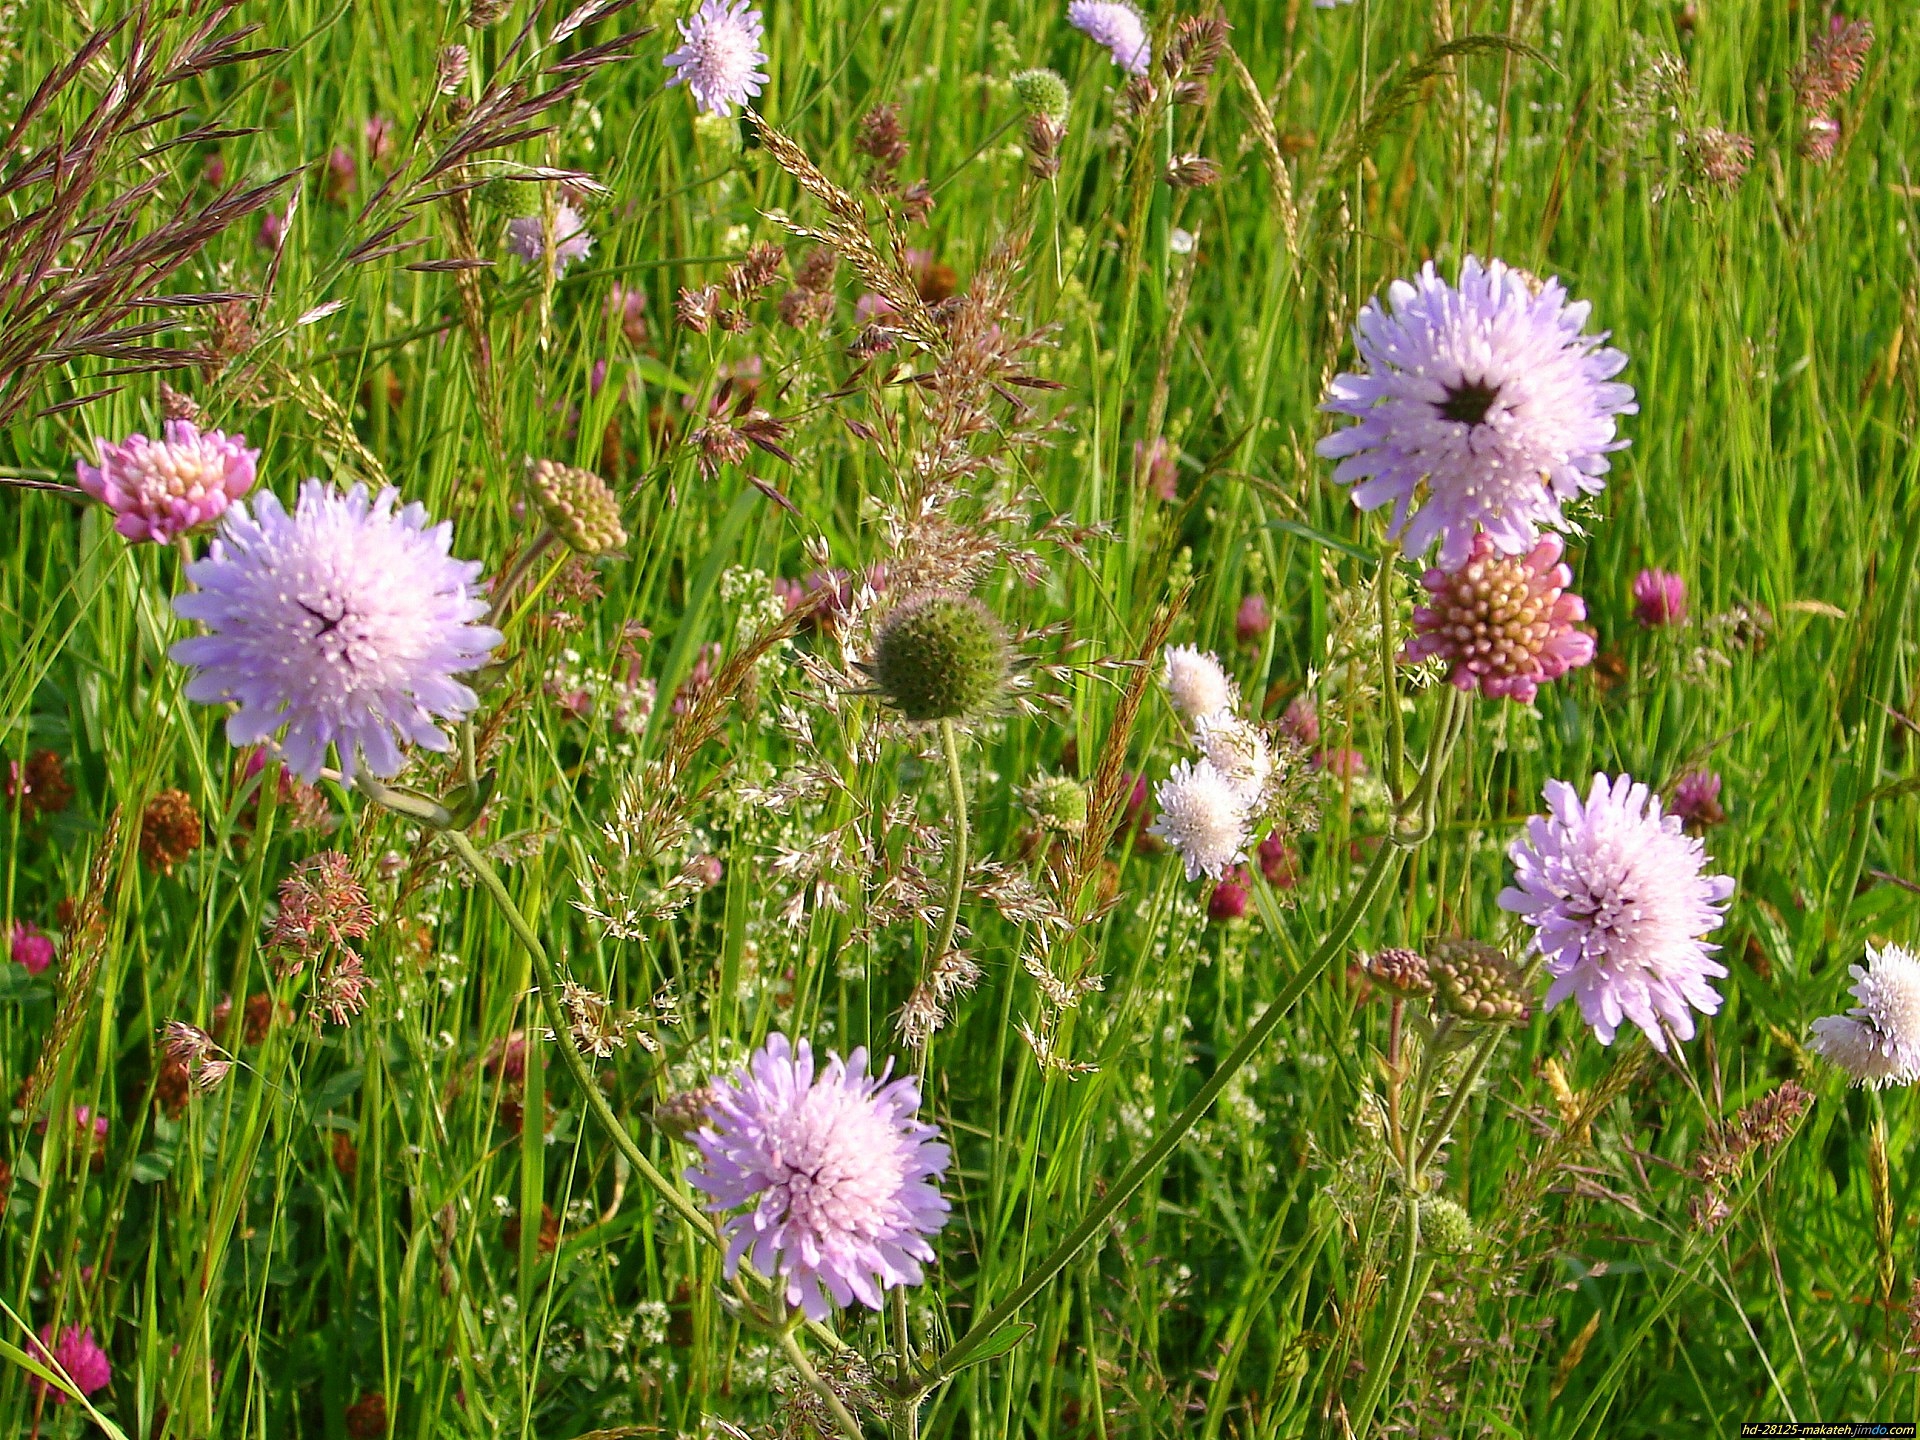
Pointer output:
x,y
842,1417
1409,1281
957,855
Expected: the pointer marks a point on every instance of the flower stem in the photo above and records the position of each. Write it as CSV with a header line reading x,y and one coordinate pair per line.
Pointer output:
x,y
797,1357
957,856
1457,1102
1406,1287
569,1052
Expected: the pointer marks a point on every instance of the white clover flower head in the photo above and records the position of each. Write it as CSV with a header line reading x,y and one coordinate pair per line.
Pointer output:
x,y
1197,683
1238,751
1878,1041
1619,907
720,59
1483,406
1119,27
1204,815
343,624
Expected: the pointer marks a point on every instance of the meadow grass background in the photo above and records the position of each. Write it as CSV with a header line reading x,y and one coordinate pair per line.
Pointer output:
x,y
246,1282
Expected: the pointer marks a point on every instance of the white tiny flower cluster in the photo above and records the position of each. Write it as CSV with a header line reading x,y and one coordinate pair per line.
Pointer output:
x,y
1208,806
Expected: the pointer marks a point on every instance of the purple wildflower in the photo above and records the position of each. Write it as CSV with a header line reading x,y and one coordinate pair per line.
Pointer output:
x,y
1696,800
1230,898
163,488
31,949
1504,624
1659,598
344,622
1614,892
77,1353
1116,25
1252,620
1301,722
527,237
1485,403
720,58
839,1172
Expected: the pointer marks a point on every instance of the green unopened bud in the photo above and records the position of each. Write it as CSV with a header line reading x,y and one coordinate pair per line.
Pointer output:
x,y
1477,982
940,656
1043,92
578,505
718,132
1058,802
1445,1227
1401,971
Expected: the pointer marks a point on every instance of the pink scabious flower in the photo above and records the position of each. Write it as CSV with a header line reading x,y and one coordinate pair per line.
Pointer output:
x,y
1878,1041
1503,624
343,624
1659,598
31,948
720,58
841,1175
77,1353
1615,893
1483,406
1116,25
527,237
163,488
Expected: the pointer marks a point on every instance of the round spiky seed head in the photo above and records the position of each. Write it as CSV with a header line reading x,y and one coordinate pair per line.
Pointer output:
x,y
684,1111
1043,92
1477,982
1401,971
1445,1227
578,505
1058,802
940,656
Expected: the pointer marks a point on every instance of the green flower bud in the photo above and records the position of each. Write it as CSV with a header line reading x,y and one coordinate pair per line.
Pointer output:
x,y
1478,982
1445,1227
1058,802
940,656
578,505
1043,92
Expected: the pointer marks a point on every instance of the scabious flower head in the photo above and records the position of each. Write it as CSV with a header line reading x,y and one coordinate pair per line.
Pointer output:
x,y
527,237
841,1174
720,58
1483,406
1619,907
162,488
1118,26
30,948
1204,815
1659,598
1503,623
1878,1041
1197,683
1238,751
343,623
77,1353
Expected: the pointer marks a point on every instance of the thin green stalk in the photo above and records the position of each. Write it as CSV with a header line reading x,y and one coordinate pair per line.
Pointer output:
x,y
1380,1367
957,850
797,1357
1457,1103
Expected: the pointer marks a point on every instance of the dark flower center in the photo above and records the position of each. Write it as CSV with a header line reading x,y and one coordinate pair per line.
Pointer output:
x,y
1469,401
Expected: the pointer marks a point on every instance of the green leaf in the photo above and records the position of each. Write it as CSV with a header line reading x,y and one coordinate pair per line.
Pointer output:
x,y
997,1344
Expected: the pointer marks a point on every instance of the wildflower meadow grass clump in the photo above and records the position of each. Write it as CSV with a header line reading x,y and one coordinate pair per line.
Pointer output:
x,y
857,720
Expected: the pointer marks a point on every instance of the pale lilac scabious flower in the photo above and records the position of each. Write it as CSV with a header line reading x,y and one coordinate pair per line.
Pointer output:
x,y
720,59
1119,27
1483,405
163,488
77,1353
1204,814
1619,907
527,237
1878,1041
841,1175
343,623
